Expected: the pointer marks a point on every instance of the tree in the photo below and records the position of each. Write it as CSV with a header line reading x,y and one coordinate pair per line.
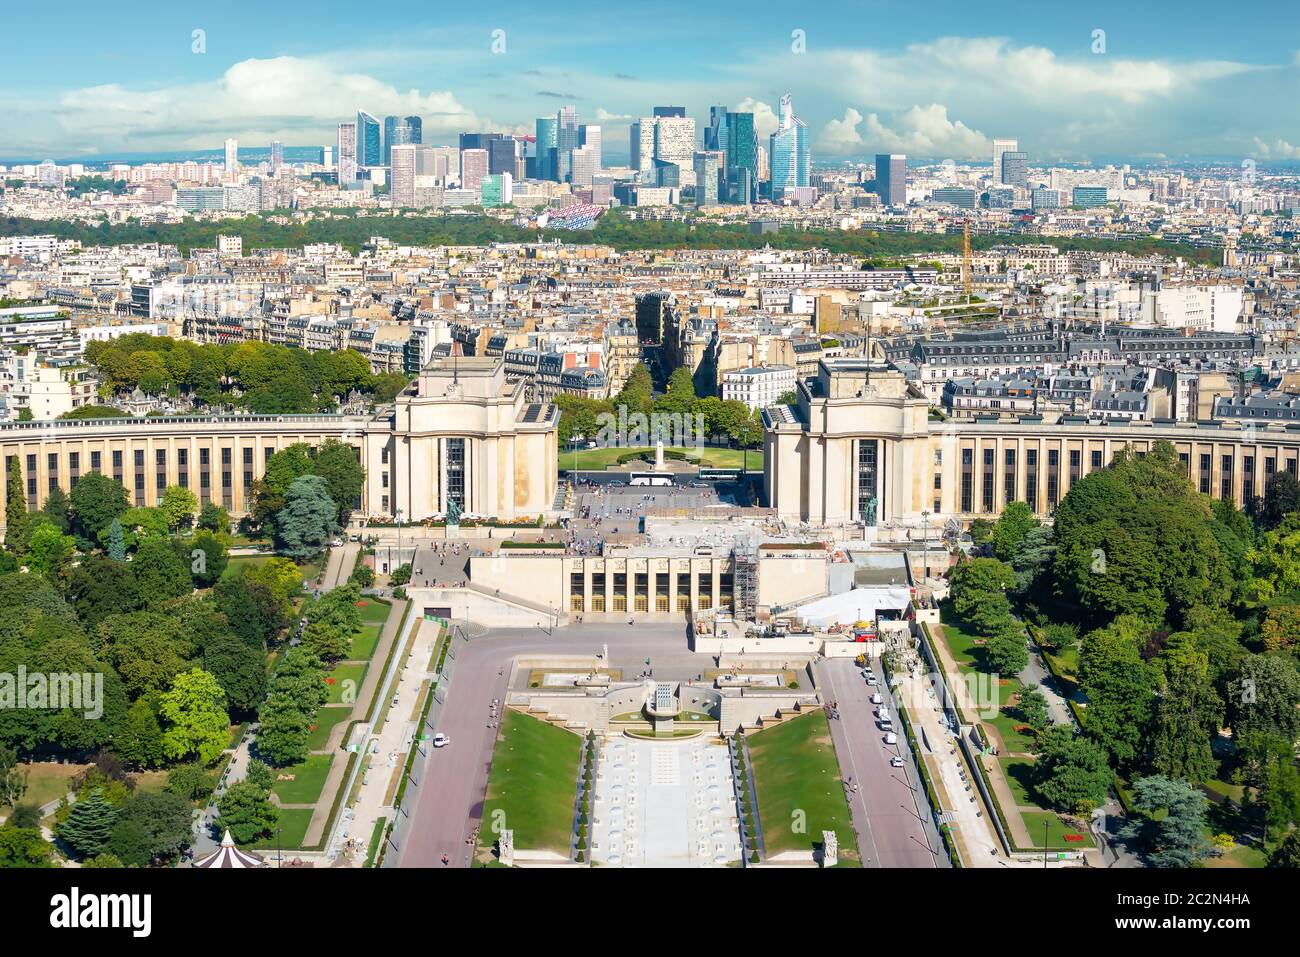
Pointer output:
x,y
96,501
161,571
13,781
240,669
1280,791
363,575
214,518
194,713
116,547
190,781
979,590
151,828
208,558
1119,685
179,505
1264,698
1280,629
1032,705
284,729
100,587
89,824
981,532
1176,839
48,549
1281,498
1071,774
1275,560
1187,713
401,575
339,465
307,522
140,739
246,811
15,506
1286,854
1009,533
23,847
58,509
253,610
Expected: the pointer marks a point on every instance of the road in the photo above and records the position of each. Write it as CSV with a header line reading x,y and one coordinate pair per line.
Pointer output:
x,y
449,789
891,833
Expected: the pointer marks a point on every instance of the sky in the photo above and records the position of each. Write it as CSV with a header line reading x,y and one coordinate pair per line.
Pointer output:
x,y
1073,82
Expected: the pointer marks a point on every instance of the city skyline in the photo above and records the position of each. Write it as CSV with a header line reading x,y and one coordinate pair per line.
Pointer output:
x,y
1065,91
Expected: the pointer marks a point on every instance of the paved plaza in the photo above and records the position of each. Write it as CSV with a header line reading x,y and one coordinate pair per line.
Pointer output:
x,y
664,804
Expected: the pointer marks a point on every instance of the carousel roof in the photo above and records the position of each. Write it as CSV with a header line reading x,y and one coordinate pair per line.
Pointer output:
x,y
227,855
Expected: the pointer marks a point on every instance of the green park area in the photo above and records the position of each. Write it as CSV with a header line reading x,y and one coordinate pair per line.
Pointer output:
x,y
326,720
293,824
301,783
596,459
799,786
344,681
533,783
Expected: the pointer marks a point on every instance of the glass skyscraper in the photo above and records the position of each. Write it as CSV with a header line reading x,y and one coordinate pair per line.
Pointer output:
x,y
545,130
369,145
790,156
742,157
399,131
891,179
567,139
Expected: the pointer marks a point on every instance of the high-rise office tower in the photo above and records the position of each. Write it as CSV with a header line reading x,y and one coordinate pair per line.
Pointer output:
x,y
440,162
675,143
232,158
583,164
473,167
397,132
327,157
277,155
402,173
742,158
1000,147
589,137
715,134
790,153
673,111
347,154
1015,168
369,143
764,162
545,145
641,136
415,128
891,179
708,169
566,141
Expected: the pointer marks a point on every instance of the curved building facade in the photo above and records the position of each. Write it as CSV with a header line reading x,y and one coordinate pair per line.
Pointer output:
x,y
860,440
460,431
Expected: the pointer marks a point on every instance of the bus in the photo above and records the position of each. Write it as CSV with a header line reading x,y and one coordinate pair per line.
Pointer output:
x,y
651,478
709,474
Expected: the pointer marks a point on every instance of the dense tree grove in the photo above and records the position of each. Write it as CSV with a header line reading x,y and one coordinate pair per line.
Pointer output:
x,y
149,599
261,377
1181,618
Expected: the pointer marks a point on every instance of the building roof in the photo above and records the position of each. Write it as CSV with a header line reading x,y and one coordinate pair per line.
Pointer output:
x,y
229,856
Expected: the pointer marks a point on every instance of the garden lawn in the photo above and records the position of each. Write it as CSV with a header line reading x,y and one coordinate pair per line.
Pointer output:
x,y
1056,831
533,782
47,781
308,779
293,824
588,460
364,642
373,611
795,769
326,719
345,679
1018,772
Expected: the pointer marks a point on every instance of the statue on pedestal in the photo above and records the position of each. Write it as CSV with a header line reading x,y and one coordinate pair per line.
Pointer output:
x,y
453,514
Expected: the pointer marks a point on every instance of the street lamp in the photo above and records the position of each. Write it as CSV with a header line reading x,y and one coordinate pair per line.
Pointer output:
x,y
278,832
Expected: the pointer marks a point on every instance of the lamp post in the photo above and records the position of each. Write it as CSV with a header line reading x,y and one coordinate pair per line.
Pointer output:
x,y
278,832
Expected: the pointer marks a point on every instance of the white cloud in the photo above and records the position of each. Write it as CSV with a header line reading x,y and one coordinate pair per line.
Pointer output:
x,y
1278,149
923,131
292,98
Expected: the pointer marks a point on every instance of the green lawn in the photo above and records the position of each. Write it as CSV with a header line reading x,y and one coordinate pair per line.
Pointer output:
x,y
376,835
795,770
46,781
364,642
1018,772
595,459
308,779
345,679
373,611
293,824
533,783
1056,831
326,719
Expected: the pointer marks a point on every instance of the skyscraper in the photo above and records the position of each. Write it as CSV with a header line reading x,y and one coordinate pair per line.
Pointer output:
x,y
566,141
397,132
589,137
277,155
1000,147
742,158
675,143
891,179
232,158
1015,168
715,135
641,136
673,111
545,135
790,155
347,154
369,150
708,168
402,172
473,168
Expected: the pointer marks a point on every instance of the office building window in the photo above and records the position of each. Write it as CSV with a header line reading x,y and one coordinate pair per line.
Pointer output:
x,y
456,472
967,479
1053,479
1205,473
1225,484
986,484
1031,479
1008,476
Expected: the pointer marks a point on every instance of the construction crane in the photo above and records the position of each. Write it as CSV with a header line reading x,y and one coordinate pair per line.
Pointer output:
x,y
965,259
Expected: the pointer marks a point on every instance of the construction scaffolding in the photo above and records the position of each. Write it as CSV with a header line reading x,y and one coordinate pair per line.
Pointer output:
x,y
746,584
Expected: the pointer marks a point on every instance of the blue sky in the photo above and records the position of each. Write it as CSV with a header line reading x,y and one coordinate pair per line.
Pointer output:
x,y
932,79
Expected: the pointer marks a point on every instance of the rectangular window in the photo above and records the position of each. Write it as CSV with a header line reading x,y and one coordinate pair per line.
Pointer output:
x,y
867,450
95,461
1076,466
1053,479
967,479
1205,473
1247,479
456,472
1008,476
986,484
248,456
1031,479
1096,459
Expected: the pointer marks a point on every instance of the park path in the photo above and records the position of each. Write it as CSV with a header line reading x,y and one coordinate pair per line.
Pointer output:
x,y
338,768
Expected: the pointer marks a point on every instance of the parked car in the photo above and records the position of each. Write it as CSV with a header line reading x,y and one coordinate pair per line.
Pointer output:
x,y
871,680
891,738
440,740
877,699
896,762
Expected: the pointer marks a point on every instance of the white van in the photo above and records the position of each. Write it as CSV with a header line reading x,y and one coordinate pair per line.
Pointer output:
x,y
877,699
891,738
